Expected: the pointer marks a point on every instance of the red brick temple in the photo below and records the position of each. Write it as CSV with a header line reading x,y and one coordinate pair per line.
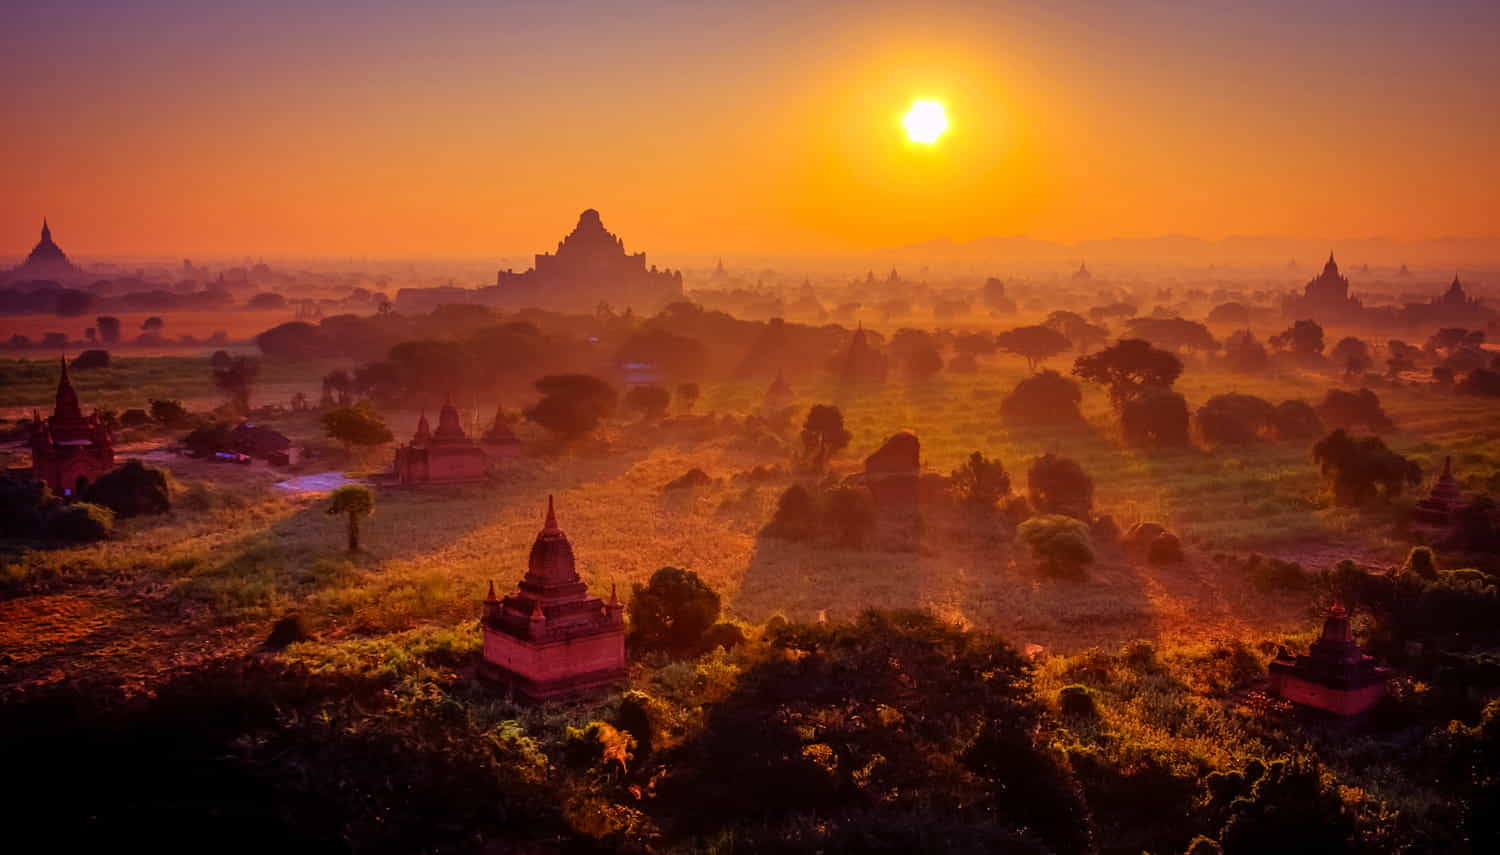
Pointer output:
x,y
70,451
444,456
549,638
1335,675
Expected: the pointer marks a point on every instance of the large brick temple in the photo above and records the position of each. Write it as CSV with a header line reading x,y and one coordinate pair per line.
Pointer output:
x,y
1335,675
69,450
550,639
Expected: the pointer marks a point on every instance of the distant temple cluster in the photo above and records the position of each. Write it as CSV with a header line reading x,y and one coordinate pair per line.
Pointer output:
x,y
447,455
549,638
47,261
1334,676
1326,297
590,265
69,450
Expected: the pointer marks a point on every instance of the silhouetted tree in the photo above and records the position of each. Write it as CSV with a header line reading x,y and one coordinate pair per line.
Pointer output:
x,y
1058,485
1035,344
981,482
1234,419
1295,420
671,613
1290,808
1060,543
356,425
355,502
1045,398
687,395
1173,333
134,489
109,329
1303,338
1077,329
1243,353
1344,409
1155,417
823,435
572,404
1359,469
1352,355
236,380
1128,367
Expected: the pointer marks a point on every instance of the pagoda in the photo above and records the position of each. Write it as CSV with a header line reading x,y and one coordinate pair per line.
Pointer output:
x,y
1438,507
444,456
500,440
778,397
1325,298
1335,676
863,363
549,639
590,265
47,261
69,451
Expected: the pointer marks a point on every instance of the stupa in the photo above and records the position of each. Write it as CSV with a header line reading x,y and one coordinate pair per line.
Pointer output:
x,y
778,396
69,451
1325,298
444,456
500,440
549,638
47,261
1335,675
863,363
590,265
1446,496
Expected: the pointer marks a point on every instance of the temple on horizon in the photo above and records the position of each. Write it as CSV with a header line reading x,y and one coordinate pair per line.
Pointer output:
x,y
47,261
549,638
590,266
69,451
1325,298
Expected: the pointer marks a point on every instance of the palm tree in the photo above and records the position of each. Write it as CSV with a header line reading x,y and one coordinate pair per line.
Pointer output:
x,y
356,501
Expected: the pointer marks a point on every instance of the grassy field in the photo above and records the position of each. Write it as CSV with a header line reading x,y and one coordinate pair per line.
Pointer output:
x,y
238,552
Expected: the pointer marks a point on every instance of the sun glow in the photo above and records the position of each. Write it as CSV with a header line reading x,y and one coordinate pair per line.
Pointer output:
x,y
925,122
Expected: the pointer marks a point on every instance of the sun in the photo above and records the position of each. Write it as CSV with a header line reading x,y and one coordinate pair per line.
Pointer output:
x,y
925,121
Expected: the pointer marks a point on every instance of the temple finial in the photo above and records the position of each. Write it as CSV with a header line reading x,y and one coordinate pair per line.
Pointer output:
x,y
491,598
551,523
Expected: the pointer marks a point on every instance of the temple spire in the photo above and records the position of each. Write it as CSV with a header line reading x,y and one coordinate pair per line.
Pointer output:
x,y
491,598
46,231
551,523
67,399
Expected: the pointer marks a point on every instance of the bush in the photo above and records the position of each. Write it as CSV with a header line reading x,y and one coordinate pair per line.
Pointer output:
x,y
724,635
672,613
80,522
208,438
1077,701
796,516
572,404
690,479
1234,419
1155,417
1058,485
981,482
1421,563
356,425
1060,543
1274,574
134,489
1344,409
823,436
649,400
848,514
643,717
168,413
1165,548
91,359
1043,399
1361,469
286,632
1295,420
24,506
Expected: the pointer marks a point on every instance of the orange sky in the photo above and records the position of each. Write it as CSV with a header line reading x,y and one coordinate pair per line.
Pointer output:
x,y
361,129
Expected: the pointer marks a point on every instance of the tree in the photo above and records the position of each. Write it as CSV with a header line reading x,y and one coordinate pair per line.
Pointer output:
x,y
206,439
1352,355
1480,382
671,613
1243,353
1155,417
354,501
649,400
981,482
134,489
1303,339
109,329
994,296
1450,340
79,522
1237,314
1290,808
1058,485
1234,419
91,359
1060,543
24,505
1173,333
294,340
1128,367
572,404
1344,409
153,324
1077,329
1034,343
687,395
1295,420
1360,469
236,380
341,384
356,425
1043,399
823,435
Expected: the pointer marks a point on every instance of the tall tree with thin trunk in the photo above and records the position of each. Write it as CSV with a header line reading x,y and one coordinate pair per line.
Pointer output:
x,y
355,502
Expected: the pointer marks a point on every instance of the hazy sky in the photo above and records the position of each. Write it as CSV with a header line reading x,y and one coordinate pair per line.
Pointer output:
x,y
481,129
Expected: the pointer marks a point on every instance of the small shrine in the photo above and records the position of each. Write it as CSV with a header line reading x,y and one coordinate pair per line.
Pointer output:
x,y
1334,676
444,456
778,396
500,440
548,638
1445,498
69,451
